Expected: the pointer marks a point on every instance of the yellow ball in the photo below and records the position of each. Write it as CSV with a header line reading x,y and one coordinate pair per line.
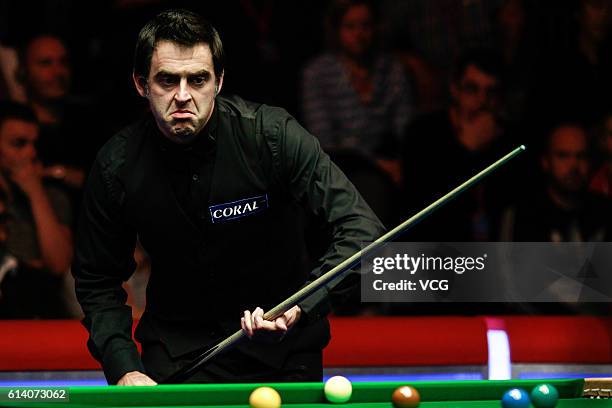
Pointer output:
x,y
338,389
265,397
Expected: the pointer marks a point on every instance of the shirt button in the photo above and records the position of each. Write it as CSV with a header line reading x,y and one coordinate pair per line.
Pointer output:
x,y
195,177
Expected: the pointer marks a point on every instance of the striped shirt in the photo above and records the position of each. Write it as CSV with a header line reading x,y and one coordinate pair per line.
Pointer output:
x,y
334,112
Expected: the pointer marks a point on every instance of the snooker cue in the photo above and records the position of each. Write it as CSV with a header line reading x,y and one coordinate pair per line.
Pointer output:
x,y
338,271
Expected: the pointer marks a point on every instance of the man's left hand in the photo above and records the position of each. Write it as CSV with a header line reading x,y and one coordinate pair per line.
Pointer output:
x,y
254,325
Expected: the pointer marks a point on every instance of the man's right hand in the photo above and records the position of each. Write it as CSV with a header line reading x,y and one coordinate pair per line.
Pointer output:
x,y
135,378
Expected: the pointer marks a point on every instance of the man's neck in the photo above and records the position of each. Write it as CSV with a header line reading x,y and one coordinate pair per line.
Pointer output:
x,y
47,113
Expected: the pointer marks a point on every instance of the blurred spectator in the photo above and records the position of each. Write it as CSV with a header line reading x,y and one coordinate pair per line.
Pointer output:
x,y
68,140
355,97
37,232
445,148
602,179
563,210
429,90
265,56
9,87
577,83
518,46
356,100
439,29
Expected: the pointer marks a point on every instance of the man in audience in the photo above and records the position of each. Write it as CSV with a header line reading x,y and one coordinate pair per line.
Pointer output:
x,y
447,147
36,231
67,142
564,211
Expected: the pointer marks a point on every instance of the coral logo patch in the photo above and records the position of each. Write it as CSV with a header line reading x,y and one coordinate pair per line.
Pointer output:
x,y
237,209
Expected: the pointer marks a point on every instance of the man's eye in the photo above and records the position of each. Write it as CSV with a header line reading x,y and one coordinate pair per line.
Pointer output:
x,y
198,81
167,81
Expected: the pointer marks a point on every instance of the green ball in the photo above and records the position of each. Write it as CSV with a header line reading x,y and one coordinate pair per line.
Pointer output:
x,y
544,396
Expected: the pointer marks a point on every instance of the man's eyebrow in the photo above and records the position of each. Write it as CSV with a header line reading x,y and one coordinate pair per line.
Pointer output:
x,y
164,72
202,72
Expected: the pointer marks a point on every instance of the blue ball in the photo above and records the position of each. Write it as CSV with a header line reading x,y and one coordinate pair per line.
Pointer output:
x,y
544,396
515,398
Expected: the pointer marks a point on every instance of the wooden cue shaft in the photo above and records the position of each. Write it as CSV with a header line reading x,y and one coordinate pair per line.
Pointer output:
x,y
342,268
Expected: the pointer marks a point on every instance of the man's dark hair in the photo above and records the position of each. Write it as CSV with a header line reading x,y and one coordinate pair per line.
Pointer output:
x,y
573,124
14,110
181,27
486,60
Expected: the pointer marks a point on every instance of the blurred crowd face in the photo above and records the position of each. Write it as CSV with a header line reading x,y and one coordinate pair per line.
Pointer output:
x,y
477,91
511,18
47,69
595,19
17,143
566,161
181,89
356,31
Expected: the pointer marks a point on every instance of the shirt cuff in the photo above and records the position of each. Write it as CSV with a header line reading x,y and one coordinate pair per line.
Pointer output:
x,y
119,361
314,307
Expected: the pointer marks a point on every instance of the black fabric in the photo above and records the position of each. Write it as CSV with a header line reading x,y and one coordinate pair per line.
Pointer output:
x,y
235,367
474,215
540,220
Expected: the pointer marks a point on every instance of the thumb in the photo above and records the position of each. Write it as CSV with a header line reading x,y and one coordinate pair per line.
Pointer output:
x,y
281,323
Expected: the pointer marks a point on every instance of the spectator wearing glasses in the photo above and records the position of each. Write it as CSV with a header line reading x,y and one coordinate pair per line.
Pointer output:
x,y
469,134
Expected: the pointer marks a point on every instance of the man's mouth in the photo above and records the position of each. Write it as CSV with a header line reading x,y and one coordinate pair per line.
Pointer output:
x,y
182,114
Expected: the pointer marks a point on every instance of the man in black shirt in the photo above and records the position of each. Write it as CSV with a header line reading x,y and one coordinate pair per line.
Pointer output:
x,y
469,134
563,210
216,190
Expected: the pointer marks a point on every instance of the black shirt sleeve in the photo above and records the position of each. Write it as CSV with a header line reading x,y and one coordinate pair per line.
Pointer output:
x,y
103,260
313,179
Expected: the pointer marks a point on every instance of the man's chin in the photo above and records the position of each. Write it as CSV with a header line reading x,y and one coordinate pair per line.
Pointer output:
x,y
184,133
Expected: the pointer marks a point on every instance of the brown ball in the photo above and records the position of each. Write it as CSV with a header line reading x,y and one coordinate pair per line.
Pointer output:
x,y
406,397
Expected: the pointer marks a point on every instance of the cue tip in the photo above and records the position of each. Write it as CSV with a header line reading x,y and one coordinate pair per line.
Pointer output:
x,y
522,147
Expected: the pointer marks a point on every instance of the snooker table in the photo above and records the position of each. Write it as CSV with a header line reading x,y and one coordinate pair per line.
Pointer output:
x,y
448,394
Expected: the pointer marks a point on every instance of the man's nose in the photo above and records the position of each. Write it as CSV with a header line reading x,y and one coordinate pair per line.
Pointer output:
x,y
182,93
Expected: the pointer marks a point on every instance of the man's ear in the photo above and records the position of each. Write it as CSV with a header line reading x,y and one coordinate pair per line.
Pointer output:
x,y
219,83
141,85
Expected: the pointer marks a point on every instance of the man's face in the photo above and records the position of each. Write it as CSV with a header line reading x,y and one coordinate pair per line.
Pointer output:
x,y
595,19
17,143
180,89
477,91
567,162
511,18
356,32
47,69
